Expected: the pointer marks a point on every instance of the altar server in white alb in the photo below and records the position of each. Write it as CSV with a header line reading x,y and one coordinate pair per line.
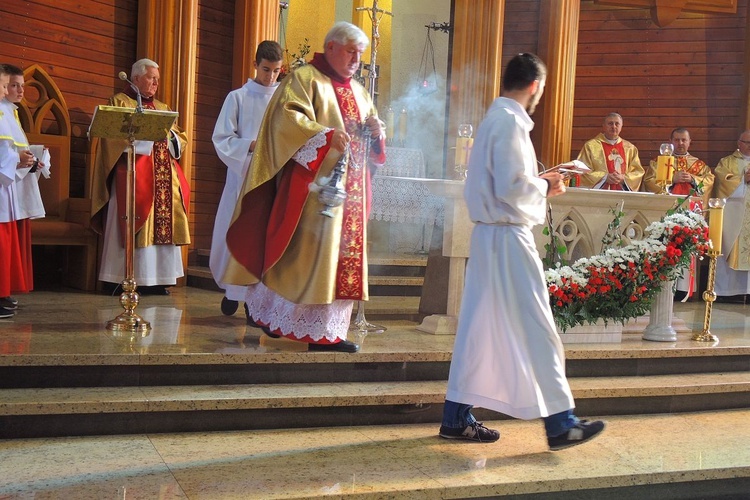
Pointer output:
x,y
234,140
11,270
508,356
37,159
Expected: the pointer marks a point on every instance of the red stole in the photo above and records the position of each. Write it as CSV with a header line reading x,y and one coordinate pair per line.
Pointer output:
x,y
681,165
350,270
614,154
153,188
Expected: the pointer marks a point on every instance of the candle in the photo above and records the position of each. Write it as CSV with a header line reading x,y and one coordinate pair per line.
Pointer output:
x,y
664,168
463,150
715,225
390,125
402,125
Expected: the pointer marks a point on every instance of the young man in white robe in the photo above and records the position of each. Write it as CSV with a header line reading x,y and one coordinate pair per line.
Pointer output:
x,y
508,356
12,278
28,195
234,140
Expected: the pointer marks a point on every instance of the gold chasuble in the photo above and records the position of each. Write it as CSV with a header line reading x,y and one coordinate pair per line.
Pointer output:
x,y
162,193
736,233
278,235
704,179
604,158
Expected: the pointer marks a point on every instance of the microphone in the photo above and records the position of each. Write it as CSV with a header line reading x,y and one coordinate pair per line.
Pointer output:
x,y
124,77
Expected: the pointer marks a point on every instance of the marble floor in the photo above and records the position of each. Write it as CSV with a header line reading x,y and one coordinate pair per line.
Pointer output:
x,y
407,461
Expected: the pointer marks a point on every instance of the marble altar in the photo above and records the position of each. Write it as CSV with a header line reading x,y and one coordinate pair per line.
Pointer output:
x,y
579,217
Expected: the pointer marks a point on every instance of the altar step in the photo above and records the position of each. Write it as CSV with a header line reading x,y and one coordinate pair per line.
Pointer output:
x,y
389,274
300,389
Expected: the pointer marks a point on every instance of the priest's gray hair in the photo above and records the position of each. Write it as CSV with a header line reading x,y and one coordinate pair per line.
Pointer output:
x,y
141,66
343,33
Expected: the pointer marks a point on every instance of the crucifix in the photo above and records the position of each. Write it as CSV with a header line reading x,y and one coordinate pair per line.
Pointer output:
x,y
360,325
376,14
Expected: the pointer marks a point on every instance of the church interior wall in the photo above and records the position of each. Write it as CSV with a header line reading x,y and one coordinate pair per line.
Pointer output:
x,y
213,83
81,49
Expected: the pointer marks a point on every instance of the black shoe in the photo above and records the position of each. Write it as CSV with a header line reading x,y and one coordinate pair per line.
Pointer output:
x,y
153,290
343,346
9,303
583,431
476,432
730,299
679,296
109,288
229,307
6,313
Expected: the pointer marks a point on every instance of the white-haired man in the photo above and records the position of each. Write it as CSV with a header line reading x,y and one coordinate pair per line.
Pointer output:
x,y
614,162
162,196
304,269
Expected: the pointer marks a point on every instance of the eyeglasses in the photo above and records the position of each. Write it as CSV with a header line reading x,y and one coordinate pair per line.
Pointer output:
x,y
743,142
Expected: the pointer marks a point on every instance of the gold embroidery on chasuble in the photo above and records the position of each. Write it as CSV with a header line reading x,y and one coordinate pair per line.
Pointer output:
x,y
694,169
162,194
350,269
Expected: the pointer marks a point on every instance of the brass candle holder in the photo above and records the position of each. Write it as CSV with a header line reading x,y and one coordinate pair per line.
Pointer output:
x,y
715,226
709,296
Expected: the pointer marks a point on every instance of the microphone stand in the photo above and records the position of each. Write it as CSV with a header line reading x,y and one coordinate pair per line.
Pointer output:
x,y
138,99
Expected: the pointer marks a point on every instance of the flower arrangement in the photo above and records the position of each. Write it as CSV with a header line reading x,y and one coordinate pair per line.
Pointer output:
x,y
296,59
620,283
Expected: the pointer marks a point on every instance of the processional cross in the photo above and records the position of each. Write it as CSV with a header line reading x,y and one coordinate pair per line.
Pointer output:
x,y
360,325
375,14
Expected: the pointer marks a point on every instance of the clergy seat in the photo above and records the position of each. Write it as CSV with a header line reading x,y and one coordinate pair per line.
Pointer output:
x,y
44,116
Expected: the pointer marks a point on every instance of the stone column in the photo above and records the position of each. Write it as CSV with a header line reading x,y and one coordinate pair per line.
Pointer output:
x,y
659,327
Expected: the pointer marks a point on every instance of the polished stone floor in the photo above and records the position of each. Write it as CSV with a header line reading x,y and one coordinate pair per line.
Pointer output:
x,y
407,461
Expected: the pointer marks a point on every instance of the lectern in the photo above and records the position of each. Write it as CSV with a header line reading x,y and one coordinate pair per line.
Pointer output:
x,y
113,122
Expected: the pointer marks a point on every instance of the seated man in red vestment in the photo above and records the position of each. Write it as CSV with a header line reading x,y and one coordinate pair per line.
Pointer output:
x,y
304,269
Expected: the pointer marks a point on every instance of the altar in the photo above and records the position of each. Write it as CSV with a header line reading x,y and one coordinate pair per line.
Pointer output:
x,y
579,218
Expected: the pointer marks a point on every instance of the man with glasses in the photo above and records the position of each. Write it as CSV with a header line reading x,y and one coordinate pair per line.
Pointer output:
x,y
733,265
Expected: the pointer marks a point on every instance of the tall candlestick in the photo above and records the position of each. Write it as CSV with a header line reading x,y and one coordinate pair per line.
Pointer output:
x,y
403,122
463,150
664,169
715,222
390,125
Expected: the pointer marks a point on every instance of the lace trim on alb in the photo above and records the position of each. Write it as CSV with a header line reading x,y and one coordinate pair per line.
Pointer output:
x,y
308,153
319,321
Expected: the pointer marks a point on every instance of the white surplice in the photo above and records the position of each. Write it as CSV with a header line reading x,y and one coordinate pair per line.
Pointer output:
x,y
8,162
507,356
731,281
29,198
236,127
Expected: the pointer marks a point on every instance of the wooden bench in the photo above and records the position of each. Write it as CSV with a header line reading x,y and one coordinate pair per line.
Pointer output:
x,y
45,118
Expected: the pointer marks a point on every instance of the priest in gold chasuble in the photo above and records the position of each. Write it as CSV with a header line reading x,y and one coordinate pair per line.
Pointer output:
x,y
732,177
162,195
691,175
614,162
304,269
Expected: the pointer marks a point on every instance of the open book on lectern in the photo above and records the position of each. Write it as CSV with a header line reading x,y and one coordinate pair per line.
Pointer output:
x,y
115,122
